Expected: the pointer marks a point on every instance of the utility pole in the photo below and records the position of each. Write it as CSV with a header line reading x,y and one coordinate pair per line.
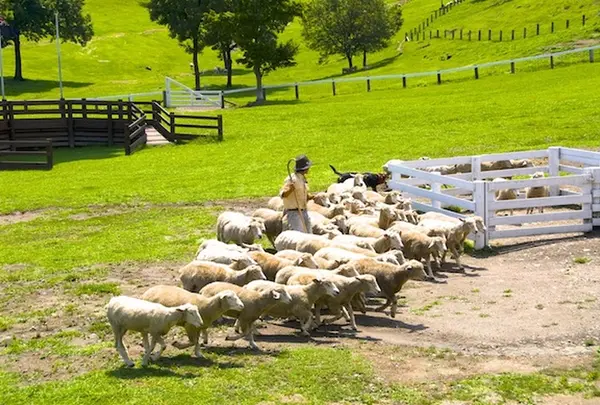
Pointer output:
x,y
60,83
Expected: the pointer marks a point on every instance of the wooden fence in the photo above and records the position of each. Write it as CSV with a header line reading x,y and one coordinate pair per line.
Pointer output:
x,y
575,195
13,159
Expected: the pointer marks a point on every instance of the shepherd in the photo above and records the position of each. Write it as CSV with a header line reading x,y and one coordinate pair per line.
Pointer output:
x,y
295,196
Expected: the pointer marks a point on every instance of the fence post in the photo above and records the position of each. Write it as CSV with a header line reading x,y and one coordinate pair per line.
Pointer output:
x,y
11,123
553,168
333,87
430,34
445,34
479,197
552,27
404,81
127,139
476,72
83,108
524,32
479,37
461,34
489,35
164,97
109,107
453,34
583,20
476,168
220,127
595,174
551,61
567,24
437,189
70,124
512,67
591,56
49,156
469,35
500,36
222,99
437,35
512,35
172,125
297,91
439,78
368,84
537,29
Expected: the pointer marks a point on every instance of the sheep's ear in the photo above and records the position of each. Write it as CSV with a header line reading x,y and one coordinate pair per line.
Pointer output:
x,y
318,280
276,295
462,220
431,243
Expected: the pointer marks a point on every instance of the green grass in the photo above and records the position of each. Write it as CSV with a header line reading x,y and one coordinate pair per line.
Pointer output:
x,y
97,289
581,260
525,111
127,42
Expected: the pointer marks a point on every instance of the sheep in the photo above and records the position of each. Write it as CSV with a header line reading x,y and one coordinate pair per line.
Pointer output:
x,y
271,264
273,221
339,188
388,241
477,220
303,297
537,192
339,305
126,313
342,255
215,244
197,274
506,194
321,199
284,274
276,204
303,242
366,231
321,263
255,304
419,246
385,218
455,234
374,197
239,228
210,310
390,278
220,253
329,212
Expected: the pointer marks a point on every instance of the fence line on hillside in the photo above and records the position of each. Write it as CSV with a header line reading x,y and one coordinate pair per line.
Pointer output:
x,y
443,10
490,34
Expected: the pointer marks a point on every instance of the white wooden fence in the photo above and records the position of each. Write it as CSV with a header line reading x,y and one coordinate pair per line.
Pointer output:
x,y
576,192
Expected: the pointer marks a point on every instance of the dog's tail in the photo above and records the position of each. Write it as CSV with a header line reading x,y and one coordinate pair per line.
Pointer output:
x,y
335,171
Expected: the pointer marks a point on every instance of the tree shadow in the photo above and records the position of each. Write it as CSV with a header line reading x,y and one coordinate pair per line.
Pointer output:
x,y
517,247
364,72
14,88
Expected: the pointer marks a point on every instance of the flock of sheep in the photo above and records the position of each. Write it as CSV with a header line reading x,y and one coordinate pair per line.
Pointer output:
x,y
362,243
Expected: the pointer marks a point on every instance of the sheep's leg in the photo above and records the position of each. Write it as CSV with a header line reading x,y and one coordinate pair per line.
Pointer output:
x,y
161,349
205,336
339,315
236,326
121,349
148,352
192,334
429,270
248,332
345,314
444,257
394,307
317,315
350,311
456,256
305,326
388,302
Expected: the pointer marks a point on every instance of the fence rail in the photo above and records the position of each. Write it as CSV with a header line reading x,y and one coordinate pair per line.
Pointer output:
x,y
578,196
22,159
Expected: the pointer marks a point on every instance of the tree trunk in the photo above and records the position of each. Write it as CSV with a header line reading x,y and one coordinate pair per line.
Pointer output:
x,y
349,57
364,59
259,88
228,65
195,62
18,64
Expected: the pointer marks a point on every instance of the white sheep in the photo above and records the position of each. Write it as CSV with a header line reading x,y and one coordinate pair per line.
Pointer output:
x,y
339,188
239,228
276,204
273,221
271,264
302,242
284,274
388,241
321,263
210,310
341,255
329,212
303,298
148,318
195,275
221,253
506,194
455,233
537,192
420,246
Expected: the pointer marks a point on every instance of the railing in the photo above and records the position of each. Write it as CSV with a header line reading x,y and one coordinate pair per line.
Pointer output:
x,y
470,188
135,132
22,159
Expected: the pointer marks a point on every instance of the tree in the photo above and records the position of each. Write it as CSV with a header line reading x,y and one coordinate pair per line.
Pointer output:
x,y
379,23
347,27
34,20
258,24
184,20
219,28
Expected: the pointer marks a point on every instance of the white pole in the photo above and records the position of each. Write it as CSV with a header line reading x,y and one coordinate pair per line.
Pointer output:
x,y
60,84
1,69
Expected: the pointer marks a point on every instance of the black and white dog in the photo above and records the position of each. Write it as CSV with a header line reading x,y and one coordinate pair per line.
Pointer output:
x,y
372,180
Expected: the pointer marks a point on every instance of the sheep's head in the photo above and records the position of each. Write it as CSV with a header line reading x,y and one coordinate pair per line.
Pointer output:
x,y
368,284
437,245
280,294
520,163
388,214
479,223
340,222
346,270
242,262
359,181
306,260
327,287
398,255
322,199
359,194
254,273
254,248
338,209
334,198
332,233
230,301
388,257
191,315
392,197
395,239
416,270
469,225
257,228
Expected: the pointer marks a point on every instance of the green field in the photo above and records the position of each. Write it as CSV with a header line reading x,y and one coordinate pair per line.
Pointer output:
x,y
101,223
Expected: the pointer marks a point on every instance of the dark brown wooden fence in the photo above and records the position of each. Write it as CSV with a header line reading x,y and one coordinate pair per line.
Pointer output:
x,y
31,158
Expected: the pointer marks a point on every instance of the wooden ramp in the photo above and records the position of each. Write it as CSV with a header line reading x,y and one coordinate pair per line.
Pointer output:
x,y
154,137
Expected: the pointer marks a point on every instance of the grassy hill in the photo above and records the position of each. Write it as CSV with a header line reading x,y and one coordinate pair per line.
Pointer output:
x,y
127,42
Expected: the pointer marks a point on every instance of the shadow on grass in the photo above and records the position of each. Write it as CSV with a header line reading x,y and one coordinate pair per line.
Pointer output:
x,y
15,88
65,155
